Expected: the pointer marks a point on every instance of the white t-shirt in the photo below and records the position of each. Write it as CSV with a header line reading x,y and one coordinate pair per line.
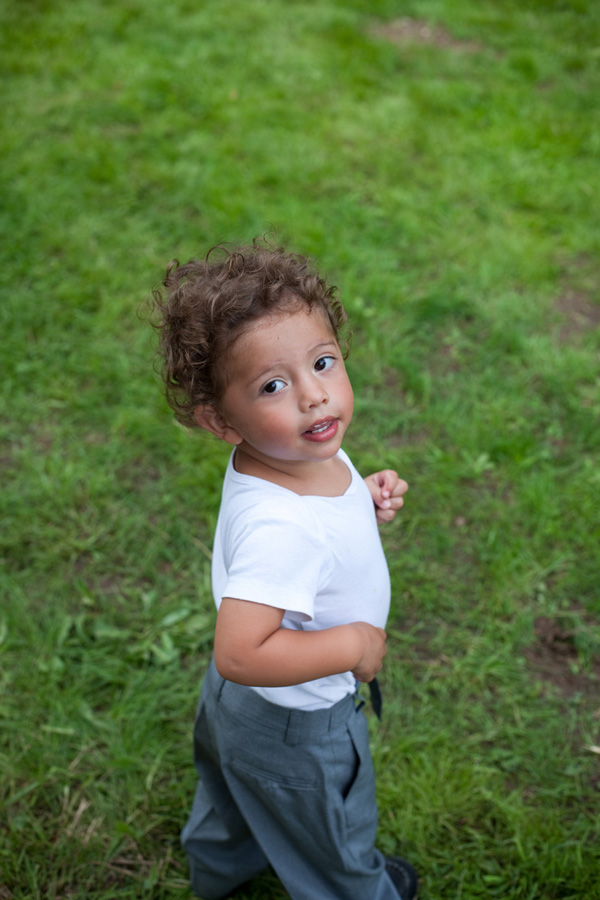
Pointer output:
x,y
318,558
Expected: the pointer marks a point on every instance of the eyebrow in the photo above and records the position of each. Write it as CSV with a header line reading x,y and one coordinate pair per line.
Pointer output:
x,y
277,363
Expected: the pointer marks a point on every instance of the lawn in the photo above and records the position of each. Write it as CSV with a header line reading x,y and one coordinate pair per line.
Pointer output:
x,y
440,159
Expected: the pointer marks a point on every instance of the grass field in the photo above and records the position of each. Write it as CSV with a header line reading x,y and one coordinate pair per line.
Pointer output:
x,y
440,159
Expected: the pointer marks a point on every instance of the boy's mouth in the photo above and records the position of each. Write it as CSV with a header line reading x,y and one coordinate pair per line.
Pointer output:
x,y
322,430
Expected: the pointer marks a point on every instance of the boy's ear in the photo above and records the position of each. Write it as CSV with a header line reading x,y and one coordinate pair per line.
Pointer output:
x,y
209,418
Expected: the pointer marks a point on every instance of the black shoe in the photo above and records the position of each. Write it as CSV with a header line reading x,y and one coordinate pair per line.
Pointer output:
x,y
403,875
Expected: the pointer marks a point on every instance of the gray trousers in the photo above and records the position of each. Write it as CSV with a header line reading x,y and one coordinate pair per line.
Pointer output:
x,y
292,789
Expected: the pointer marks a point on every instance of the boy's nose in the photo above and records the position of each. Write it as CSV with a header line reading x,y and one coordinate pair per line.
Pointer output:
x,y
313,394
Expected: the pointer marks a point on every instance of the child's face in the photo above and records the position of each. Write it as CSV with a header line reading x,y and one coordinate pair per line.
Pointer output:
x,y
288,397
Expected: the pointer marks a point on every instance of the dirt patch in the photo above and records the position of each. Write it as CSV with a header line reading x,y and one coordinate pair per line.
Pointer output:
x,y
578,314
553,657
406,31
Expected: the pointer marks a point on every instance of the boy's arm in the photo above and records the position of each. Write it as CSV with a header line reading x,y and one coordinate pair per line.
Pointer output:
x,y
387,491
252,648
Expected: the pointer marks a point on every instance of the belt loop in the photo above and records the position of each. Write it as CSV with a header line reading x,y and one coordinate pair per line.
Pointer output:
x,y
292,730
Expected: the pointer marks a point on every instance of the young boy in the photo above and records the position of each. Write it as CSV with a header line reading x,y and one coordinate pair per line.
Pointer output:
x,y
251,348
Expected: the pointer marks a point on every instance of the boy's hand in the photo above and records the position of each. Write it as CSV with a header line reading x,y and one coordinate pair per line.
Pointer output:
x,y
387,491
374,650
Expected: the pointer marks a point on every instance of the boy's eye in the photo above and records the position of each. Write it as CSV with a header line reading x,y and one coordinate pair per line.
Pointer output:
x,y
272,387
324,362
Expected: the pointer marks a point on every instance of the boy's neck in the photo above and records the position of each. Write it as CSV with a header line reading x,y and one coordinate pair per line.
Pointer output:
x,y
328,478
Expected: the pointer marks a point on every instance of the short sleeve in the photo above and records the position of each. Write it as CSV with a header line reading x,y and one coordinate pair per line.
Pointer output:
x,y
278,557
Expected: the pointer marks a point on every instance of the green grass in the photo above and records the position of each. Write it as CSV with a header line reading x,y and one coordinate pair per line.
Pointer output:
x,y
447,180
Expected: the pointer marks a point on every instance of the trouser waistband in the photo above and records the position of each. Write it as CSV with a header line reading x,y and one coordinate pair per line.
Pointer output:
x,y
293,725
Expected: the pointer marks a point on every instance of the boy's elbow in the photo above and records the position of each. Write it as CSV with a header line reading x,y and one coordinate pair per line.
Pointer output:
x,y
230,668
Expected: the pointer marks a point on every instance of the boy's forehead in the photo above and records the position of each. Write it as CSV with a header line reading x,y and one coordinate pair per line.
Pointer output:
x,y
262,343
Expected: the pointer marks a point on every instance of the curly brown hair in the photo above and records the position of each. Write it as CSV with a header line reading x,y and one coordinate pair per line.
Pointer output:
x,y
208,303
